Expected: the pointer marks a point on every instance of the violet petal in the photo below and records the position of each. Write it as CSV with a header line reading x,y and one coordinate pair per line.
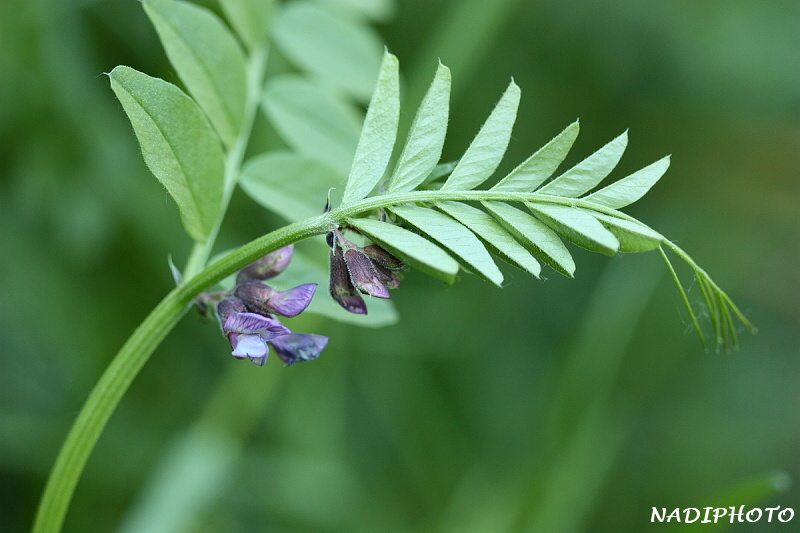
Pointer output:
x,y
248,346
253,323
299,347
291,302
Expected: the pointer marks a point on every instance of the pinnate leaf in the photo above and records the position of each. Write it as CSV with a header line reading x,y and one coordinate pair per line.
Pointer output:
x,y
496,238
207,58
250,18
378,134
486,151
314,122
454,237
426,138
289,184
339,50
578,226
541,165
534,235
417,251
629,189
178,146
584,176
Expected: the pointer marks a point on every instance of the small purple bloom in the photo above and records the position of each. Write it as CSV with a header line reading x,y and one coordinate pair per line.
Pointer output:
x,y
297,347
268,266
248,334
261,298
363,274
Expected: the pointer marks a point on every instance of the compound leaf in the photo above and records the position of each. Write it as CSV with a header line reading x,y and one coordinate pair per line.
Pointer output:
x,y
632,236
337,49
250,18
314,122
289,184
535,235
578,226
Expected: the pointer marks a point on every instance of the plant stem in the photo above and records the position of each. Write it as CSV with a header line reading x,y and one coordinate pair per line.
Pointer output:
x,y
134,354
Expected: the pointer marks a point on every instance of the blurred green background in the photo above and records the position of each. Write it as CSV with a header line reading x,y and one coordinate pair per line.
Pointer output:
x,y
555,405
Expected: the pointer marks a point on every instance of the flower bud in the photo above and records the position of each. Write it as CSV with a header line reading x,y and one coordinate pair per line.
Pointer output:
x,y
341,288
228,306
363,274
261,298
268,266
389,279
383,258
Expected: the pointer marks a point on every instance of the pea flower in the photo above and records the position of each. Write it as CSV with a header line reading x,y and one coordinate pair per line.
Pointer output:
x,y
247,313
367,270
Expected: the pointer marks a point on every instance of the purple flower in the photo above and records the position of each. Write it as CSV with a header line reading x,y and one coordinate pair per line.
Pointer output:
x,y
268,266
299,347
248,333
261,298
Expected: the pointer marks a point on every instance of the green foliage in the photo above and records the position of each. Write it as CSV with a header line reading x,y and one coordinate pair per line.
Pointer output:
x,y
486,151
454,237
207,58
178,145
291,185
563,207
313,121
250,18
378,135
423,147
336,49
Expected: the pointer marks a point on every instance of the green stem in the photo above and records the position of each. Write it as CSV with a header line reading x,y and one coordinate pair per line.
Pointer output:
x,y
134,354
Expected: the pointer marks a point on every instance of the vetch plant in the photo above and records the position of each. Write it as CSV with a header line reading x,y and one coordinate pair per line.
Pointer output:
x,y
416,214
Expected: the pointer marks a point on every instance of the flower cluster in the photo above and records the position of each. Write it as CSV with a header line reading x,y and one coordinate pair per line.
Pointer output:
x,y
248,312
369,270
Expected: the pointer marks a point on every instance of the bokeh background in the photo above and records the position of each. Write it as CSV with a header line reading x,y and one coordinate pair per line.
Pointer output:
x,y
551,405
